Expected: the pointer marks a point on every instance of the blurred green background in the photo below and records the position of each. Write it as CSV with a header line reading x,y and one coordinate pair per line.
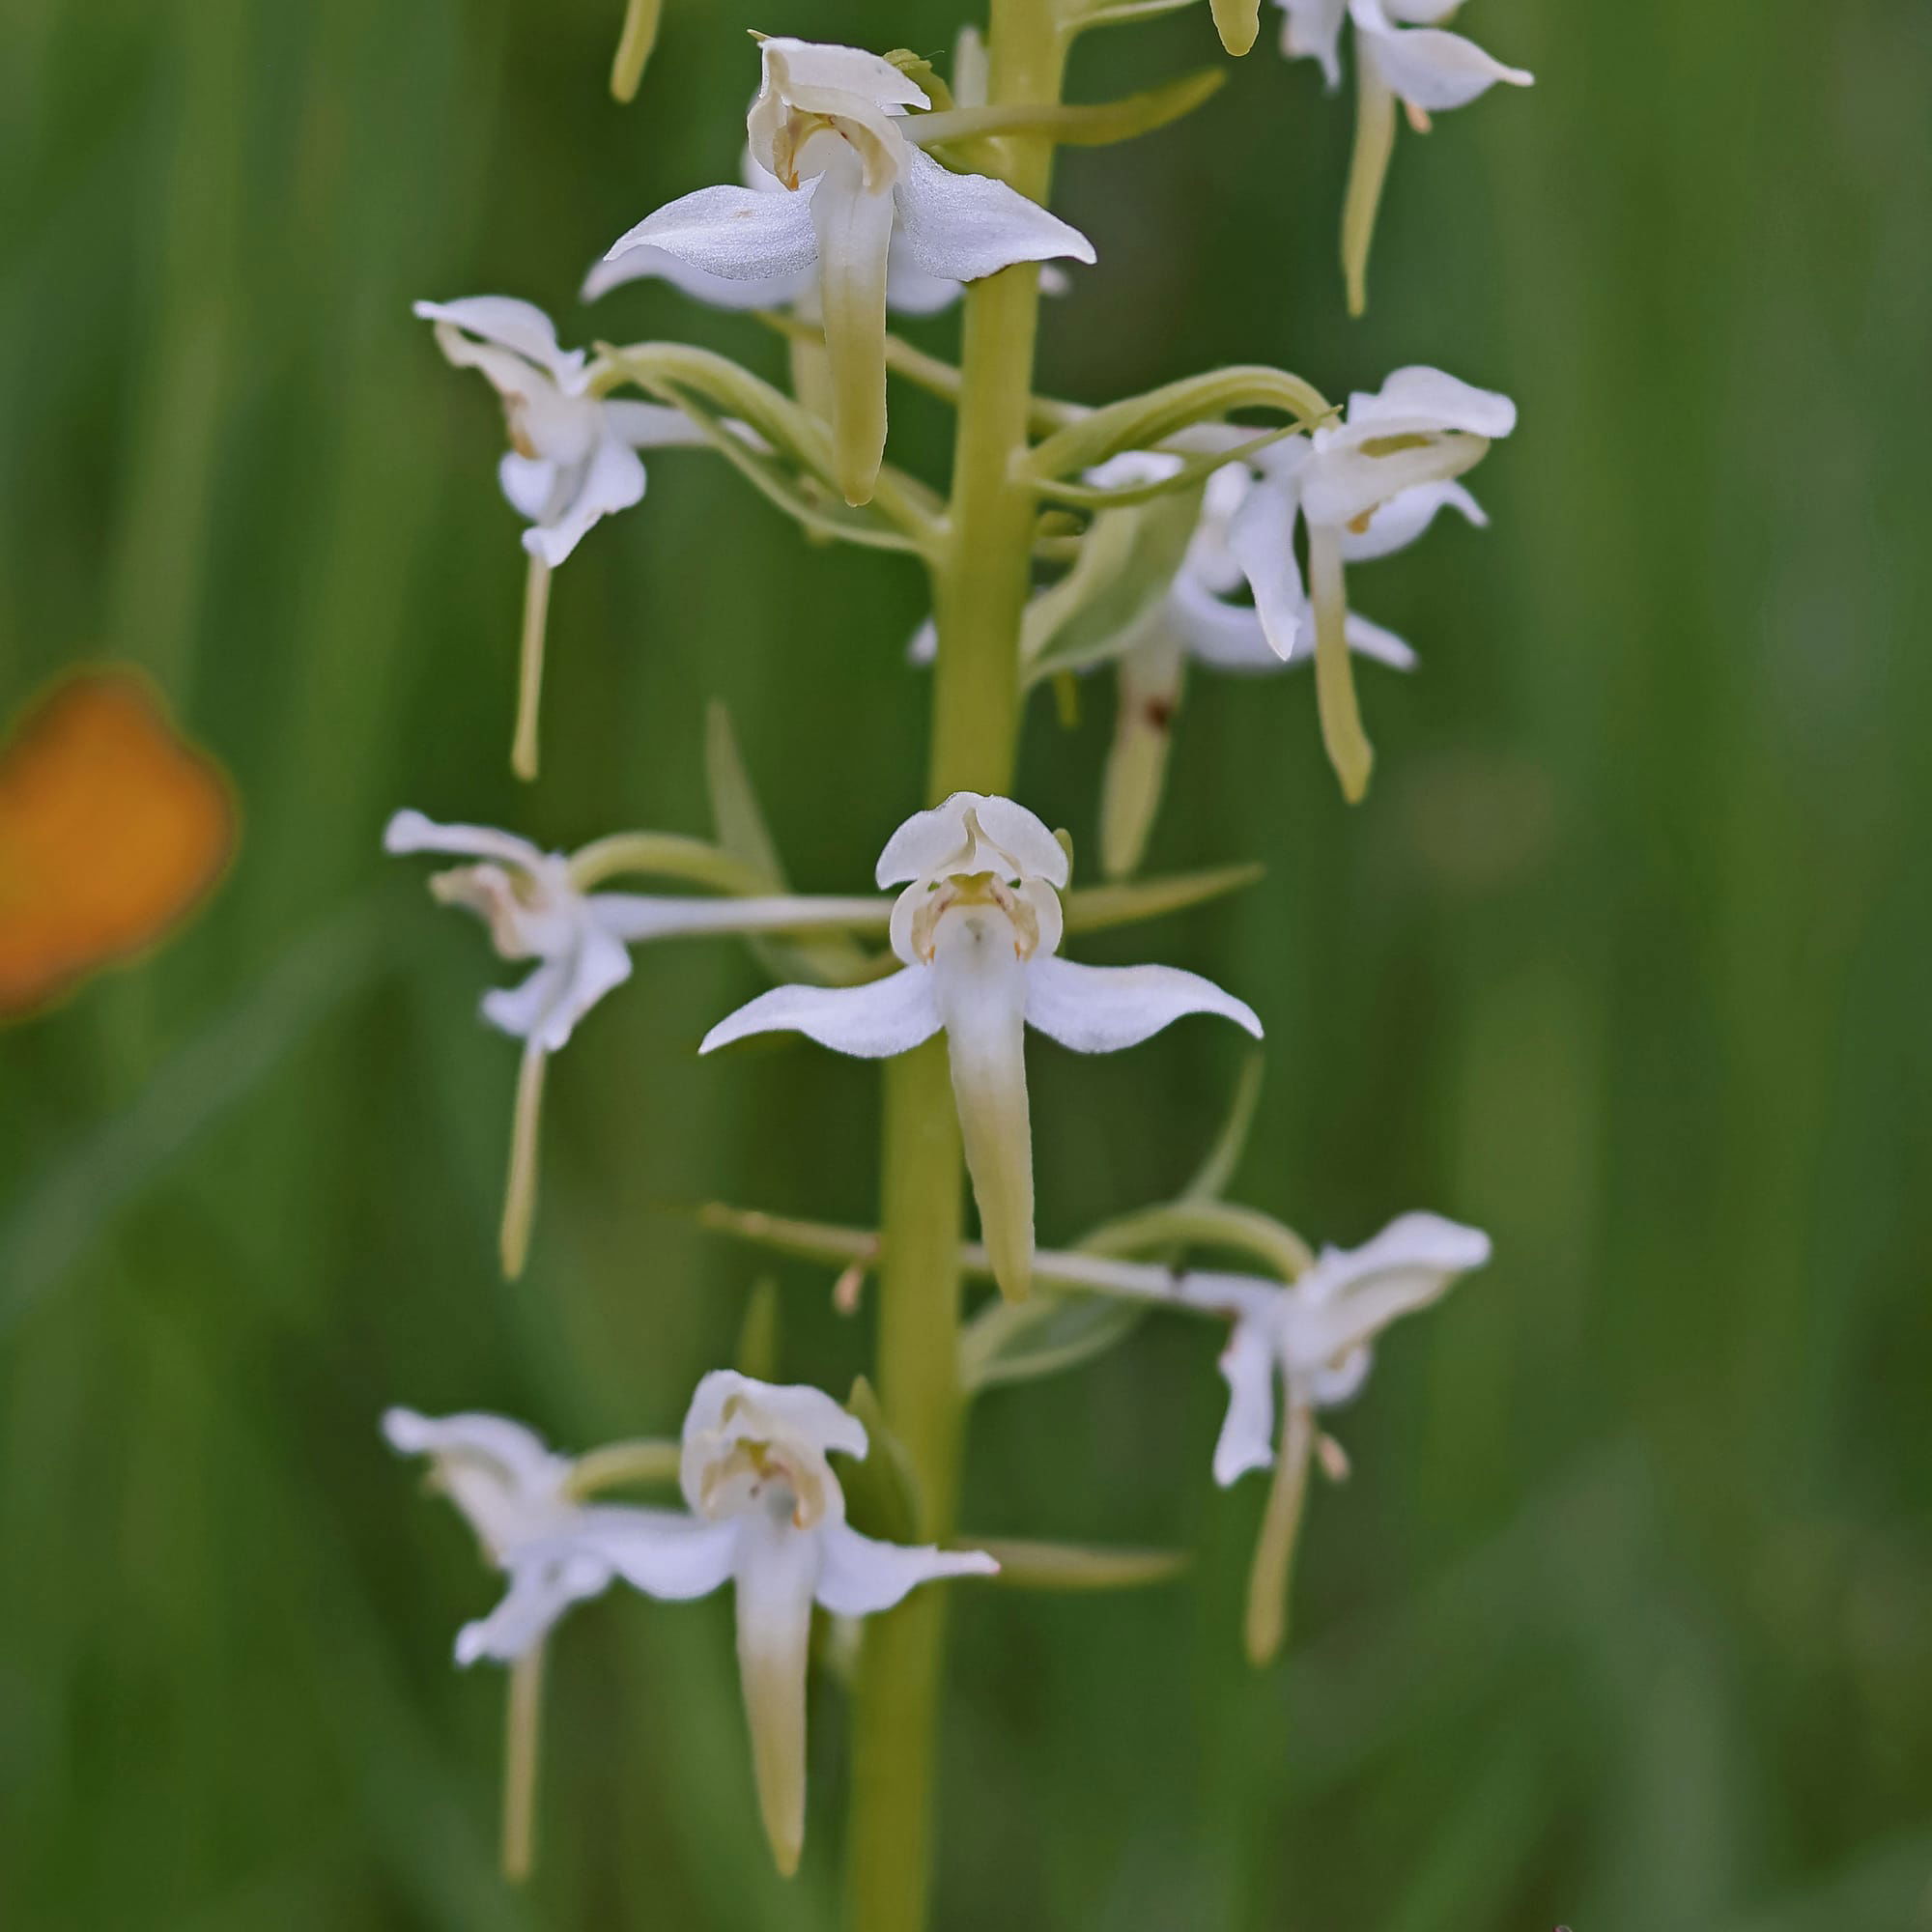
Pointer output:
x,y
1626,1617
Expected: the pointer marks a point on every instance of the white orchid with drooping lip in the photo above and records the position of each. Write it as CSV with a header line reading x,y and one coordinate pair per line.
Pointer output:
x,y
1313,1336
977,927
1200,623
1316,1335
767,1515
573,456
830,124
537,909
1401,53
1364,488
1243,540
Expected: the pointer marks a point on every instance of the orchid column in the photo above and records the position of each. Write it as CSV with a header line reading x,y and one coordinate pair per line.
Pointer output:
x,y
981,580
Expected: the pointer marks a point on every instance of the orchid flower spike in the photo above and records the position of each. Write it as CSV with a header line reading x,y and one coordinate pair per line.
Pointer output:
x,y
535,910
830,124
573,455
767,1515
977,927
1364,487
1316,1337
1400,54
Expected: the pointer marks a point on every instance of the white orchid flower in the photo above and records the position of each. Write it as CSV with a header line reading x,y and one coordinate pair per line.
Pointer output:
x,y
1240,544
573,456
524,1502
830,125
1315,1336
767,1515
1364,487
977,927
1401,53
579,939
1242,549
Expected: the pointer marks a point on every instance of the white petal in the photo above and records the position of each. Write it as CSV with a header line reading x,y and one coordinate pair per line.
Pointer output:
x,y
980,987
522,1009
796,65
546,1006
858,1576
651,263
735,233
529,482
517,325
652,426
806,1411
542,1587
1419,399
661,1552
778,1571
1227,635
1247,1434
1350,1295
923,647
1395,525
872,1022
1368,639
1261,535
1102,1009
599,963
520,1452
1432,70
1312,29
1347,482
614,480
411,832
1133,469
1340,1381
966,226
929,841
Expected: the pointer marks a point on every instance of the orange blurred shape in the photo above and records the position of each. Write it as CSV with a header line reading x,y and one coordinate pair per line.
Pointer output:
x,y
113,828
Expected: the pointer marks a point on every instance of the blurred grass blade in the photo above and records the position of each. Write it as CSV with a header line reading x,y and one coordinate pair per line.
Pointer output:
x,y
1212,1177
757,1351
743,832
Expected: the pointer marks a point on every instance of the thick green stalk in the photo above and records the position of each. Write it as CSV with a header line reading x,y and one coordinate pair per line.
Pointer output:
x,y
981,580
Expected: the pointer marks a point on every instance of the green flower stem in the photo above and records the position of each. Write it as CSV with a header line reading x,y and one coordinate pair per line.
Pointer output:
x,y
980,580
